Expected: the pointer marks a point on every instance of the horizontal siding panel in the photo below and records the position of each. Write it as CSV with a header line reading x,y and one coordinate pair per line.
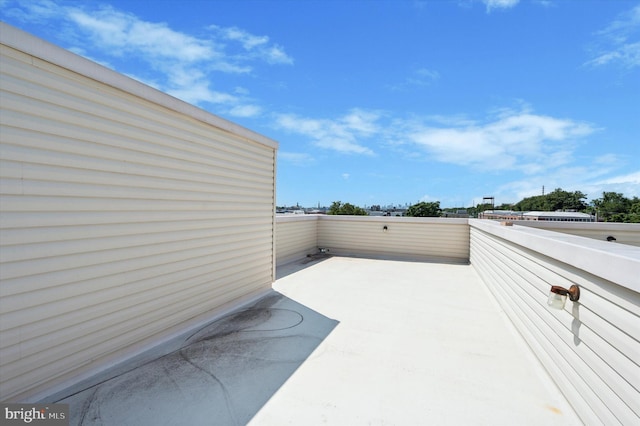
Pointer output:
x,y
157,242
555,363
405,238
295,238
554,273
526,278
434,239
622,236
121,219
100,348
51,233
12,220
618,322
124,206
109,152
118,263
136,307
67,315
52,121
591,347
613,370
111,105
624,233
23,171
66,189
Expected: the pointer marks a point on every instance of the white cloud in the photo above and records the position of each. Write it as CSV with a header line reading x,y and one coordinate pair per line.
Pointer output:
x,y
199,91
500,4
627,184
360,121
345,134
427,73
520,141
32,11
345,176
249,41
593,177
241,90
256,46
245,111
421,77
631,178
182,64
619,42
277,55
124,33
296,158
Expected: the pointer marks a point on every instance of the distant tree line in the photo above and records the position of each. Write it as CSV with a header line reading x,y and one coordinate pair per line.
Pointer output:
x,y
554,201
425,209
615,207
611,207
340,208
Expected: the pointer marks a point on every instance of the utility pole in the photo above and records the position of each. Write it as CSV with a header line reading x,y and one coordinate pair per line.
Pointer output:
x,y
542,189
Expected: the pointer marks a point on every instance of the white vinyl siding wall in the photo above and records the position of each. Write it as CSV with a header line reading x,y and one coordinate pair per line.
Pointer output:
x,y
122,219
427,239
592,347
296,237
624,233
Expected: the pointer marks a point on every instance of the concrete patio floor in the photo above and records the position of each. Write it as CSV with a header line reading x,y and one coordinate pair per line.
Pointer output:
x,y
340,341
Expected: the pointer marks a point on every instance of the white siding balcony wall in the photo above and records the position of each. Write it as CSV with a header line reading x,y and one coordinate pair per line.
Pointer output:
x,y
591,348
126,216
423,239
616,233
297,237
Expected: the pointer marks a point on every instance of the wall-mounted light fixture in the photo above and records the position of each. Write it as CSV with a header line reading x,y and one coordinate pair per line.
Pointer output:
x,y
558,296
385,228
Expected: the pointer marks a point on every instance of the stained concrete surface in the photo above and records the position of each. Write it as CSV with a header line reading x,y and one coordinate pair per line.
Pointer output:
x,y
342,341
219,375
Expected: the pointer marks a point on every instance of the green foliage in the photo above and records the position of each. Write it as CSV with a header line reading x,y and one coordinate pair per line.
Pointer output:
x,y
615,207
473,211
424,209
482,207
556,200
634,211
611,207
505,206
337,208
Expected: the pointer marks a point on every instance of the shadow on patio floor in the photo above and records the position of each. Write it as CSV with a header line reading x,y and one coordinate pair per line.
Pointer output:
x,y
222,374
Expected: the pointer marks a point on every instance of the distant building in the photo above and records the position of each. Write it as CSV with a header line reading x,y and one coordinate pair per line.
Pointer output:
x,y
457,213
559,216
388,212
289,211
500,215
537,215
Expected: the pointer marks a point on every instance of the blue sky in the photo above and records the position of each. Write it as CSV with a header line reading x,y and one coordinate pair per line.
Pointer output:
x,y
390,102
